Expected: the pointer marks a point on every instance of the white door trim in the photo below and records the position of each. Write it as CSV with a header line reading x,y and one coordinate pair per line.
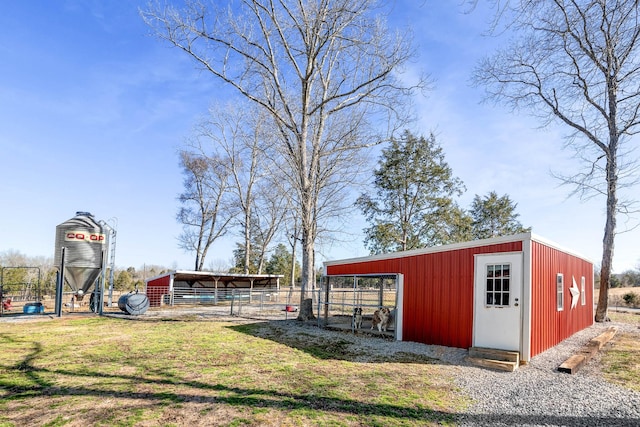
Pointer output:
x,y
525,344
498,326
399,306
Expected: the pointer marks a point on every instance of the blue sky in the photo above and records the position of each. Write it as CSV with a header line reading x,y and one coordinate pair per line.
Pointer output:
x,y
93,110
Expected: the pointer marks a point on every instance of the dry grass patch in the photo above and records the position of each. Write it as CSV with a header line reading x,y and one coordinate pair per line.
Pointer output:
x,y
625,317
620,359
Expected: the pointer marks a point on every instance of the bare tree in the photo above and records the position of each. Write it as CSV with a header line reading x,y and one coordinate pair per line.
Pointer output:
x,y
290,227
241,135
306,63
578,62
268,218
219,265
293,235
205,212
238,135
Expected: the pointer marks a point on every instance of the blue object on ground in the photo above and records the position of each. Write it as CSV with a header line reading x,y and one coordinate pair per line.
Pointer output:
x,y
33,308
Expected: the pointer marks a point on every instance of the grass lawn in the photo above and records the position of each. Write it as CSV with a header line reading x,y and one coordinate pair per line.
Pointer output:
x,y
621,357
105,371
80,371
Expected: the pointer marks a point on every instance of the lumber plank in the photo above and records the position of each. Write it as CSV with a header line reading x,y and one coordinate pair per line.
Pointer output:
x,y
578,360
573,364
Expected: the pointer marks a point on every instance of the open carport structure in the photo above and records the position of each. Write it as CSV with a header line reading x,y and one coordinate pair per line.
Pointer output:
x,y
205,287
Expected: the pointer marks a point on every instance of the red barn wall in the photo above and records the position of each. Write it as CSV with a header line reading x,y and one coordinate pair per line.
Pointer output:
x,y
156,288
548,325
438,291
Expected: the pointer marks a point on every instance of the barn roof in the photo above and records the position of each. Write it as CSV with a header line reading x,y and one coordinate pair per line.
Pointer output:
x,y
206,279
455,246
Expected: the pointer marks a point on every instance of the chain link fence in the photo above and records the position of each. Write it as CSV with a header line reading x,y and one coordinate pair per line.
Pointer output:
x,y
341,296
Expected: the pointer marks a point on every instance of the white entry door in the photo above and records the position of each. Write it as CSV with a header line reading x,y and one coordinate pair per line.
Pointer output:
x,y
498,301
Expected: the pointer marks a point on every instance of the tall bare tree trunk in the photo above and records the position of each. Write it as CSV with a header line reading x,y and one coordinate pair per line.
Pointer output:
x,y
308,262
306,309
292,278
247,241
608,240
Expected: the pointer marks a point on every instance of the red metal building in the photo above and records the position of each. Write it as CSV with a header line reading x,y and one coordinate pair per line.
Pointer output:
x,y
520,293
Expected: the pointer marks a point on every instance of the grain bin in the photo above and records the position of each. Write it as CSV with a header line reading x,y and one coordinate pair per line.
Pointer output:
x,y
84,240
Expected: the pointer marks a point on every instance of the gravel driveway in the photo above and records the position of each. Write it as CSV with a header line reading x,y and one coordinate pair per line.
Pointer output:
x,y
538,395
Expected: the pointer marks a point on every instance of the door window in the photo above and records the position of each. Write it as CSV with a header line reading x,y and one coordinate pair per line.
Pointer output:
x,y
498,282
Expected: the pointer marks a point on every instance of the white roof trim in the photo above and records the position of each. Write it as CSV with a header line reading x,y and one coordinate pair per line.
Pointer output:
x,y
559,247
215,274
221,274
456,246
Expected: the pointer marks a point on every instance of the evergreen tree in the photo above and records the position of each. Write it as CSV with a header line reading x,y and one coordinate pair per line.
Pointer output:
x,y
281,263
239,261
413,205
124,280
494,216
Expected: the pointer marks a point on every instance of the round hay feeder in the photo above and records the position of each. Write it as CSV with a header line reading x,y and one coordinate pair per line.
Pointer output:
x,y
133,303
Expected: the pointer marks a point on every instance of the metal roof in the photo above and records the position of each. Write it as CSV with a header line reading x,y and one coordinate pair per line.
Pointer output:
x,y
206,279
457,246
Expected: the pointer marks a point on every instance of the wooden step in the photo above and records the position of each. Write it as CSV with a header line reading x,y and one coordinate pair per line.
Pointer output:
x,y
494,354
492,358
500,365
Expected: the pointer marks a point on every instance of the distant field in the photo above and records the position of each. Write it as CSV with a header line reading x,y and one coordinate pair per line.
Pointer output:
x,y
616,292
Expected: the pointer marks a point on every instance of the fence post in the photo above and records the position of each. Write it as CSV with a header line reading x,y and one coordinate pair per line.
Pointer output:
x,y
326,301
60,282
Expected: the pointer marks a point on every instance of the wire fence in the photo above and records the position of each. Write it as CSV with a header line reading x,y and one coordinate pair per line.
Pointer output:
x,y
272,304
351,302
71,303
334,303
20,284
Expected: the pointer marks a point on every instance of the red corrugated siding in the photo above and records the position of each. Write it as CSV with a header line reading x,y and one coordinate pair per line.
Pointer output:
x,y
156,288
548,325
438,292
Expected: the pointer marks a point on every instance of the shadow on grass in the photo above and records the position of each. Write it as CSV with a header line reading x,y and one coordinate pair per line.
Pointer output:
x,y
333,346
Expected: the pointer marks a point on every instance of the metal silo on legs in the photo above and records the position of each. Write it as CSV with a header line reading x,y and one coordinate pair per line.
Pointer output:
x,y
84,240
